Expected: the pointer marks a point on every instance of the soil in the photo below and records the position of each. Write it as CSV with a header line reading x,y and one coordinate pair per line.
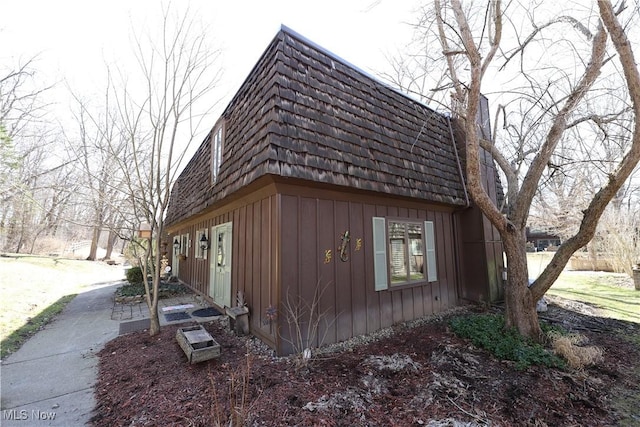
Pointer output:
x,y
417,374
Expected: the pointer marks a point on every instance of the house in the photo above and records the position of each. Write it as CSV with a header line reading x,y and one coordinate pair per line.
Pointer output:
x,y
541,239
322,187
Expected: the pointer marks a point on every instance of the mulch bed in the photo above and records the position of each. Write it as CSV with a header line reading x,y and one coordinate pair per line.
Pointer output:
x,y
419,375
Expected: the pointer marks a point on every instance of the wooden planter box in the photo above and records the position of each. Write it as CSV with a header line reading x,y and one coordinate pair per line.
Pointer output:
x,y
197,344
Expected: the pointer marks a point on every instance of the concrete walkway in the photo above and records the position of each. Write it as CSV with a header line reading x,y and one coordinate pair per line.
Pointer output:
x,y
50,380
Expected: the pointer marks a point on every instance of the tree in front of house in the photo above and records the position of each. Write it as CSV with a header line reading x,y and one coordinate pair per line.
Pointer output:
x,y
561,64
159,109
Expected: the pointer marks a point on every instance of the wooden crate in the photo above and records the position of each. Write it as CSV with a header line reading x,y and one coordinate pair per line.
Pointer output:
x,y
197,344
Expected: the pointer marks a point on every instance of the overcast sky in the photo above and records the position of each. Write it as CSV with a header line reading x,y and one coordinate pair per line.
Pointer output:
x,y
73,39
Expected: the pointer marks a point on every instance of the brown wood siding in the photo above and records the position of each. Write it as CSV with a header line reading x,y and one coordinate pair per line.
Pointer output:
x,y
261,289
343,296
480,254
326,279
280,244
254,255
313,222
358,271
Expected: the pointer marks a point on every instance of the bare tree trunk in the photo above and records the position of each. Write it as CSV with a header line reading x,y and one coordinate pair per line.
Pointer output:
x,y
23,226
93,251
152,302
520,306
520,298
111,241
154,327
176,75
151,292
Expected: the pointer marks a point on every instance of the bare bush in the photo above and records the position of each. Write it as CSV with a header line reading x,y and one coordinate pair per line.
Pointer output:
x,y
304,320
236,399
618,238
572,349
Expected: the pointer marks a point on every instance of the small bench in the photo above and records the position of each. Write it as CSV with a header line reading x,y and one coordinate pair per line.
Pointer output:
x,y
197,344
238,319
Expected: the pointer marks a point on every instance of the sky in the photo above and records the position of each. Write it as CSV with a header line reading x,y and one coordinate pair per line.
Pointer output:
x,y
73,39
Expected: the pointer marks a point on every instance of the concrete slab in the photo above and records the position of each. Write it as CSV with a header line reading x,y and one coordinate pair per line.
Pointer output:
x,y
133,326
30,382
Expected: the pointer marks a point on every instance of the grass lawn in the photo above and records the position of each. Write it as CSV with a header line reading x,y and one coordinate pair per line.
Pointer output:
x,y
602,290
612,292
29,285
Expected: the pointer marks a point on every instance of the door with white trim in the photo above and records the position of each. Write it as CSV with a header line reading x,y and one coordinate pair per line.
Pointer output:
x,y
181,249
220,264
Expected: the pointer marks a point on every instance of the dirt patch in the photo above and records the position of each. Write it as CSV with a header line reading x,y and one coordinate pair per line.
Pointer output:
x,y
418,375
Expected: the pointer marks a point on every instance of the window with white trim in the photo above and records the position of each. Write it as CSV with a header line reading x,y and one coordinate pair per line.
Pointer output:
x,y
404,252
216,152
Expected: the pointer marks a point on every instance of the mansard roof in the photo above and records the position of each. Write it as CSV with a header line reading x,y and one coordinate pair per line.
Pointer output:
x,y
306,114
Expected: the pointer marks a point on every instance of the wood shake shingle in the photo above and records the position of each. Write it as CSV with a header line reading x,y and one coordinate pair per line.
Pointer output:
x,y
306,114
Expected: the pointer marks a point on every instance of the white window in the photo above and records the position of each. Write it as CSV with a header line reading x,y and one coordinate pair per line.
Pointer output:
x,y
216,152
404,252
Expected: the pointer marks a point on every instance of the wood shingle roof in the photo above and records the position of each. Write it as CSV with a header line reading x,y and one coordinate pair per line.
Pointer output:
x,y
304,113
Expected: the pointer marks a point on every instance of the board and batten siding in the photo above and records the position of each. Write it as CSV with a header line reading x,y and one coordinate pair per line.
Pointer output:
x,y
254,251
281,235
347,300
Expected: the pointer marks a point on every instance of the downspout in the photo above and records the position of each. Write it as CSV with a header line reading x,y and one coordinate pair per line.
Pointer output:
x,y
456,225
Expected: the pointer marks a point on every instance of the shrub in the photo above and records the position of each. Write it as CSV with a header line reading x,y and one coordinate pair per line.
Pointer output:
x,y
131,290
134,275
164,290
488,331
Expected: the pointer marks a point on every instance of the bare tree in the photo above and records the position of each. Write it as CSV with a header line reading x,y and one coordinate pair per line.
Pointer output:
x,y
20,99
159,113
417,68
19,107
554,100
575,173
100,151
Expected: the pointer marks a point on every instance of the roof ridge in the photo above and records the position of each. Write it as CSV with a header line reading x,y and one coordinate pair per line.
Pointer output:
x,y
289,31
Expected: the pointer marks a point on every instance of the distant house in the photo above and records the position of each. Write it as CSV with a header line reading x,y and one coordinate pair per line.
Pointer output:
x,y
320,184
542,239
